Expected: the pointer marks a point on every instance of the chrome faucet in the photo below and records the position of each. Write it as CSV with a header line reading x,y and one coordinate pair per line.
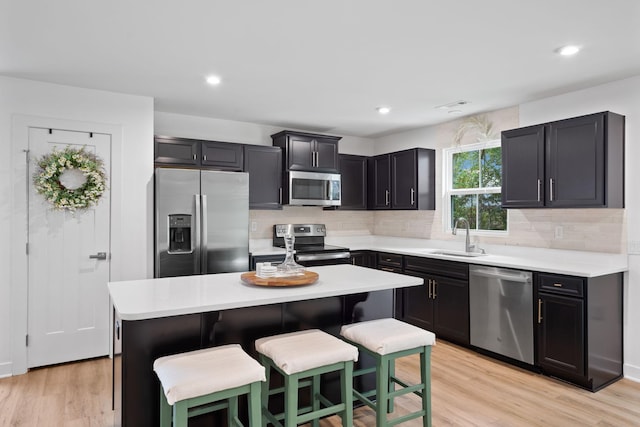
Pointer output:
x,y
467,244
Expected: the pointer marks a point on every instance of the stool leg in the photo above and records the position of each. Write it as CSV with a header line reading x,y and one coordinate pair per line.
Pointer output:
x,y
392,385
232,410
382,390
265,388
180,414
425,373
255,405
165,410
291,401
315,401
346,383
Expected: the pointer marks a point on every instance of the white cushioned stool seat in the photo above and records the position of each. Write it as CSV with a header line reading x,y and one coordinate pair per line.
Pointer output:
x,y
300,351
386,336
201,372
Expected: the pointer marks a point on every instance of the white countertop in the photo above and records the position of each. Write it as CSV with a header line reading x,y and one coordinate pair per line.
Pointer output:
x,y
171,296
573,263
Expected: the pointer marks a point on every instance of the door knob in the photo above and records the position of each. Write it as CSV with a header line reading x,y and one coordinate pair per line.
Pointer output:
x,y
99,255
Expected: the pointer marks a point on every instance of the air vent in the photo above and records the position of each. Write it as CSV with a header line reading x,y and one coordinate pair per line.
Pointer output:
x,y
452,105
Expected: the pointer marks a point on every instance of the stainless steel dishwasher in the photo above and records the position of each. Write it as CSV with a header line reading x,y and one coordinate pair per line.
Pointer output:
x,y
501,311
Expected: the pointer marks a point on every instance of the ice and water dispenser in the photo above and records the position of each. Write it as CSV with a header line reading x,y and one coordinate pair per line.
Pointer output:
x,y
180,234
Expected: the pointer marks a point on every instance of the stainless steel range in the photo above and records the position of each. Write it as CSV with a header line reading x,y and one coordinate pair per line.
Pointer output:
x,y
309,245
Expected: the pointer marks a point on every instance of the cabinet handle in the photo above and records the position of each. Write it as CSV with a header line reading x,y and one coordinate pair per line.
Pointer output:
x,y
539,311
551,189
280,195
539,184
429,288
557,285
386,269
413,192
195,156
435,286
386,197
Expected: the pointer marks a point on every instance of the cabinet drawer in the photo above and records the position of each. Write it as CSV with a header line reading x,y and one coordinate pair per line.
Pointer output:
x,y
391,260
565,285
458,270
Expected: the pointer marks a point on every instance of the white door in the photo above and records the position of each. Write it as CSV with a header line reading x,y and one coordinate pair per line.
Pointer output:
x,y
68,297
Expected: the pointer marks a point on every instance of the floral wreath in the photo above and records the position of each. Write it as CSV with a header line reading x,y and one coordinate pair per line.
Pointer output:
x,y
70,179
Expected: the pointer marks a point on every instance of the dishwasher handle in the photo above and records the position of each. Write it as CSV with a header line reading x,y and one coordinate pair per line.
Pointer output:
x,y
512,276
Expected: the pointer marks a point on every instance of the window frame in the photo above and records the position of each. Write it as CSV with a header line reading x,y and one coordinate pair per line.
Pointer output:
x,y
448,191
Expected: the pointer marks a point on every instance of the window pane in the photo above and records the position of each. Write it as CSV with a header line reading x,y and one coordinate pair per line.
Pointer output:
x,y
465,207
492,216
491,159
466,169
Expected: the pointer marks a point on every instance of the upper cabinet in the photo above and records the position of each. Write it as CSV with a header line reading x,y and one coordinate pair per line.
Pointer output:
x,y
197,153
264,164
577,162
353,175
308,152
403,180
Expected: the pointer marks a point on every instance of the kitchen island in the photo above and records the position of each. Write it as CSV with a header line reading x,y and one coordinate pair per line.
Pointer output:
x,y
158,317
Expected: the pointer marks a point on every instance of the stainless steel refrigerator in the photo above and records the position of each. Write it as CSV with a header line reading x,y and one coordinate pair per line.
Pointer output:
x,y
201,223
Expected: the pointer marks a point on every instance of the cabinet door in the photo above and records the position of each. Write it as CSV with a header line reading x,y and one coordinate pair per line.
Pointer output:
x,y
561,335
404,180
326,152
451,308
523,167
300,153
264,165
380,182
222,155
177,151
415,304
353,175
575,162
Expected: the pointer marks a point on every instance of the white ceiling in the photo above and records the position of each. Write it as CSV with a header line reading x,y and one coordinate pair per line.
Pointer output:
x,y
322,65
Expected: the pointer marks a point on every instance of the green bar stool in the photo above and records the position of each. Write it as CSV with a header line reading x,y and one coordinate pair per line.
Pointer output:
x,y
385,340
302,358
208,380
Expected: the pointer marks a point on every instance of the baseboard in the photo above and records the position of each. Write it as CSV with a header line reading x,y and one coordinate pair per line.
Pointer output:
x,y
5,369
632,372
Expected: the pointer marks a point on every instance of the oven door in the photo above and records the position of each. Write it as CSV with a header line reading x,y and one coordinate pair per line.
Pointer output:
x,y
314,189
323,258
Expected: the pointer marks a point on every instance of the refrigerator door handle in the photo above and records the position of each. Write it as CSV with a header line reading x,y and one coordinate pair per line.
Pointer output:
x,y
198,253
203,246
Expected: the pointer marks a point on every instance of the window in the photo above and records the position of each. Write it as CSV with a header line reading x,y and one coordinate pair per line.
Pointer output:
x,y
472,186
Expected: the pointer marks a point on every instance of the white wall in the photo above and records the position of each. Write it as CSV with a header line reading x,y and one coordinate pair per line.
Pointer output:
x,y
622,97
131,183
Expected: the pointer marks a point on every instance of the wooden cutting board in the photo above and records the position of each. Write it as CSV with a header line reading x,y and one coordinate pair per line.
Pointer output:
x,y
307,278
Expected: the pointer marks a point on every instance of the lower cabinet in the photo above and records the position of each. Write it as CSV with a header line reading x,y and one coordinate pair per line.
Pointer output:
x,y
579,328
364,258
441,304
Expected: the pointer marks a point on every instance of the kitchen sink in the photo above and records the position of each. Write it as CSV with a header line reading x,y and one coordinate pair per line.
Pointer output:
x,y
457,253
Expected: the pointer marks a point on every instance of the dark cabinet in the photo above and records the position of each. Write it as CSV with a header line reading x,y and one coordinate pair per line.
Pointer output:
x,y
403,180
579,328
308,152
264,165
577,162
441,304
364,258
197,153
353,176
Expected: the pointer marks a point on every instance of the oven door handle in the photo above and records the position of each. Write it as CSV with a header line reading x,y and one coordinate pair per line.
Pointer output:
x,y
322,256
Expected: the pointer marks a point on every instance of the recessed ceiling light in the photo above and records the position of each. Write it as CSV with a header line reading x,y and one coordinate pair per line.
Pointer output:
x,y
568,50
213,80
383,110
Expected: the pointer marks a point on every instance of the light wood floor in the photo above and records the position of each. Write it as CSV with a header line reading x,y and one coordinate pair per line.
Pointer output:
x,y
467,390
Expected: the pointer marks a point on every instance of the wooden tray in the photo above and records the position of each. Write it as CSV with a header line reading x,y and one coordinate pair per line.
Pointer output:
x,y
307,278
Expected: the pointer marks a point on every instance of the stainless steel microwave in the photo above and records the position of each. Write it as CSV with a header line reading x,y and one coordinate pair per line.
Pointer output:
x,y
313,188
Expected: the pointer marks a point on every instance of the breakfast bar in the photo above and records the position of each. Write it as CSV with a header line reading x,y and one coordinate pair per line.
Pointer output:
x,y
159,317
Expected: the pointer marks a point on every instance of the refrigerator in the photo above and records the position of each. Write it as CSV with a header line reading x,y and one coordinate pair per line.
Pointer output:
x,y
201,222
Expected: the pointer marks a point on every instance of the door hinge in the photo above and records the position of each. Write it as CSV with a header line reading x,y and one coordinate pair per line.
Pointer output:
x,y
26,340
26,248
